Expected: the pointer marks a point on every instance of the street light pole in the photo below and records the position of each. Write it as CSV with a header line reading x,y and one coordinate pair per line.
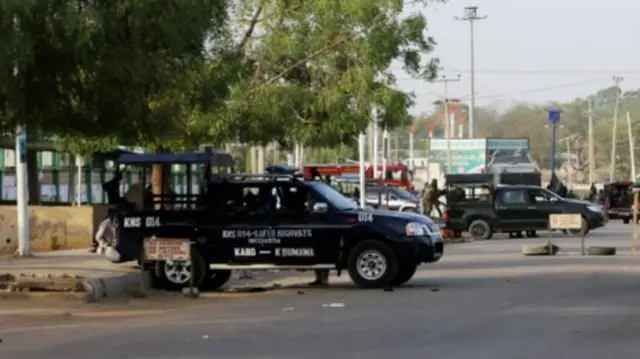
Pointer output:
x,y
614,134
592,161
447,129
554,118
471,15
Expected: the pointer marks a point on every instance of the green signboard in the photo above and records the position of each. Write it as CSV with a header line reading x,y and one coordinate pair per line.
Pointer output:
x,y
507,143
467,155
471,155
462,161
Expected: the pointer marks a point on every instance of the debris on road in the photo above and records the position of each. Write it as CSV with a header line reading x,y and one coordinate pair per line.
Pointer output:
x,y
41,283
601,251
333,305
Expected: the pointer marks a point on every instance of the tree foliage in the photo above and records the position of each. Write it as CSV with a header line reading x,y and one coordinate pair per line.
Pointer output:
x,y
105,72
320,68
174,74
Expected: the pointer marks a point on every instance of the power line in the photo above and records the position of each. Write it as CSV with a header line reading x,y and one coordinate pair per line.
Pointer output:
x,y
546,72
542,89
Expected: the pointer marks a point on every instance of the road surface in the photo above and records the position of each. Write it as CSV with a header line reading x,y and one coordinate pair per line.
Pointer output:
x,y
483,301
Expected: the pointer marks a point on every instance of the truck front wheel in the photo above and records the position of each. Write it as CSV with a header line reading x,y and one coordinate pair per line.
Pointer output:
x,y
372,264
480,230
406,271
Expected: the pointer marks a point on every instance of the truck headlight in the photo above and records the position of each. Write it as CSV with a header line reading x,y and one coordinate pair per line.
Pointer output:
x,y
595,208
416,229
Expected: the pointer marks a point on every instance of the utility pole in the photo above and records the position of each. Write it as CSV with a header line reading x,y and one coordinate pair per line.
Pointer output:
x,y
22,198
614,134
447,126
375,148
385,152
471,15
362,140
592,160
632,155
569,165
411,144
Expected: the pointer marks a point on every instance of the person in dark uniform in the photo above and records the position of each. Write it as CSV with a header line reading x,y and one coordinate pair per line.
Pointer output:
x,y
563,191
593,193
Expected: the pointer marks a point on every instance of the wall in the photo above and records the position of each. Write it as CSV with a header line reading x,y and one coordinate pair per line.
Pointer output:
x,y
50,227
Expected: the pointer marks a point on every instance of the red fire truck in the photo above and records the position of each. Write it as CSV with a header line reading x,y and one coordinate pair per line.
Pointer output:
x,y
397,174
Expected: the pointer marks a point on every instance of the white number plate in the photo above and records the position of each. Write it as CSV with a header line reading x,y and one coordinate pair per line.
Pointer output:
x,y
167,249
565,221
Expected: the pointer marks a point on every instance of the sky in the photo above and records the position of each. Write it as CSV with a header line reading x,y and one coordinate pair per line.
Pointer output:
x,y
532,51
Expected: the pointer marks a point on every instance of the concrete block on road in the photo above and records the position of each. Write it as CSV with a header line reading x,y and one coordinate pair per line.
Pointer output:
x,y
135,284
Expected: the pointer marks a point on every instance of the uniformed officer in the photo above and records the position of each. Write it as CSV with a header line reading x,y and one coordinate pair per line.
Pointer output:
x,y
430,196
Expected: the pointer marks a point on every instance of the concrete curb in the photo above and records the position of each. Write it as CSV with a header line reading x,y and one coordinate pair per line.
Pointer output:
x,y
132,284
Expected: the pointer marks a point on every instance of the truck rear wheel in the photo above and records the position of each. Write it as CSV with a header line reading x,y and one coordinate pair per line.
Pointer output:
x,y
216,279
626,220
480,229
175,275
372,264
406,271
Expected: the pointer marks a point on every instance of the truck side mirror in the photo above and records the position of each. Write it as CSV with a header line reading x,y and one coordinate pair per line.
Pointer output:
x,y
320,207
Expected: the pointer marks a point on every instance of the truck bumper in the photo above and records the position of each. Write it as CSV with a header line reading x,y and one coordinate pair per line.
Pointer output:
x,y
597,221
423,249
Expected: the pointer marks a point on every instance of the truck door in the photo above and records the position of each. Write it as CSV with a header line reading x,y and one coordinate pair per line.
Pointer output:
x,y
305,238
544,206
247,235
513,209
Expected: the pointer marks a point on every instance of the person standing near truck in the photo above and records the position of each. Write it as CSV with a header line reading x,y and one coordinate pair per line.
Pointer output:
x,y
430,196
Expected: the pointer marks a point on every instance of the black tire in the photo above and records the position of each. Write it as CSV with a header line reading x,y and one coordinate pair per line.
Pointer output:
x,y
373,248
215,279
480,230
405,273
601,251
198,270
579,232
626,220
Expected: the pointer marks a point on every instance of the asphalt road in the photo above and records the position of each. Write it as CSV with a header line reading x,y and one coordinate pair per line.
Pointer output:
x,y
483,300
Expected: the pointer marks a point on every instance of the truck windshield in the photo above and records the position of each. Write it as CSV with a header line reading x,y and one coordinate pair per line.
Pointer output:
x,y
334,197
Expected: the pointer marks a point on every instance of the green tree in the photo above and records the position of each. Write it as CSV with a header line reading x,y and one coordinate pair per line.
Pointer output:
x,y
130,72
320,68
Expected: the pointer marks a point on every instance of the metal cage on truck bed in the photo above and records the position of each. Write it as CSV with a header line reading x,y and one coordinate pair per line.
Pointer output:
x,y
185,198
